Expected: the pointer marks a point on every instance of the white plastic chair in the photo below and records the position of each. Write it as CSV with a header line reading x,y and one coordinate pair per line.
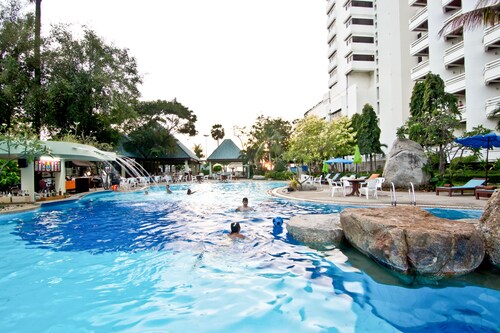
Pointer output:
x,y
346,185
334,186
318,180
380,182
371,186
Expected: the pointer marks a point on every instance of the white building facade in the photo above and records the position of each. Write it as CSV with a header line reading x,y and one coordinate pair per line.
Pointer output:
x,y
468,61
378,49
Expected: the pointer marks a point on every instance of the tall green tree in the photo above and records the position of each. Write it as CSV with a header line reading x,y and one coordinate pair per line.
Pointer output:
x,y
217,132
16,63
368,134
151,132
268,140
37,121
433,117
308,140
90,83
338,138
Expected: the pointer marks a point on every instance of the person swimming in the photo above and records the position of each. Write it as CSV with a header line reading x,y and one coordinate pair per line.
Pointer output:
x,y
235,230
167,188
190,192
245,206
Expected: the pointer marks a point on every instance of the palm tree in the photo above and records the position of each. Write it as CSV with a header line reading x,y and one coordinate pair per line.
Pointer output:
x,y
217,132
486,13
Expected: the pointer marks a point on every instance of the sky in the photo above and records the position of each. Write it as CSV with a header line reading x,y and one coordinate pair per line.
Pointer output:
x,y
228,61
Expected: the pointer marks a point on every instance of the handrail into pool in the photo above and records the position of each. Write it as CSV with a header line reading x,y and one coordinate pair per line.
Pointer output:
x,y
393,195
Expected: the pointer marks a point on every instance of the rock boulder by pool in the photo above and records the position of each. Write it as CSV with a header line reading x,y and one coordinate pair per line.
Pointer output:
x,y
413,241
489,225
404,164
317,230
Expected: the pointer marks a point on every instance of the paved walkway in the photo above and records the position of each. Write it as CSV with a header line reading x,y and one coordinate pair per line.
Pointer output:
x,y
424,199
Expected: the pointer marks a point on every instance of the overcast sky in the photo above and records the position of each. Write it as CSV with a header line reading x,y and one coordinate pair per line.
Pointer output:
x,y
226,60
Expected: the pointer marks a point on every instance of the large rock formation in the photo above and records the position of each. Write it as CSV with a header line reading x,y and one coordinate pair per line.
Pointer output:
x,y
404,164
316,230
413,241
489,225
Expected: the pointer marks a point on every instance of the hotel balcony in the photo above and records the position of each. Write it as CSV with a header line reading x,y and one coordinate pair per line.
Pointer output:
x,y
449,5
331,34
330,19
332,80
360,48
332,65
491,37
455,55
329,5
417,3
366,12
360,63
456,85
455,33
419,21
420,71
332,49
491,105
492,72
463,110
420,47
360,30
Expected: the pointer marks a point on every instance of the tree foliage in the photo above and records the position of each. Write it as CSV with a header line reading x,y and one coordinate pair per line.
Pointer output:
x,y
90,83
267,141
19,141
217,132
368,133
315,139
486,13
16,64
151,132
198,150
433,117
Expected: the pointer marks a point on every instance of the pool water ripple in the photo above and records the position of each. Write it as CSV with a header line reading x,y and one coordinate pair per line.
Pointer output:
x,y
157,263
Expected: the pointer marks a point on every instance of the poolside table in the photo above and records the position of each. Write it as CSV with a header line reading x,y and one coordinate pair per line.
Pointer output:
x,y
355,186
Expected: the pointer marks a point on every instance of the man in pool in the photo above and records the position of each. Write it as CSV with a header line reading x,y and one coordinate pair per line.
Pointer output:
x,y
245,206
167,187
235,231
190,192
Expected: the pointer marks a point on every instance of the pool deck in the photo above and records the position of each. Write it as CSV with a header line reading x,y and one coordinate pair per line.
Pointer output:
x,y
322,195
423,199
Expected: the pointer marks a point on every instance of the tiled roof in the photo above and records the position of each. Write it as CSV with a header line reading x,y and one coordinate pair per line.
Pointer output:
x,y
227,151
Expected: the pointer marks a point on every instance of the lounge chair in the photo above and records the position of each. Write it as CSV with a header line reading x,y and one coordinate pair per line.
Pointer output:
x,y
469,186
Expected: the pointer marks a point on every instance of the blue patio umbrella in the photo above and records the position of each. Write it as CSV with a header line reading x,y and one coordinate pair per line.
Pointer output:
x,y
487,141
338,160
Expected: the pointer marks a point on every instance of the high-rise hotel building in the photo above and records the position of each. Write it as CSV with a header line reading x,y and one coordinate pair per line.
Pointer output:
x,y
377,49
468,61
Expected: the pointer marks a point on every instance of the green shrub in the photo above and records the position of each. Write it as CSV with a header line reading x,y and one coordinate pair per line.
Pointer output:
x,y
279,175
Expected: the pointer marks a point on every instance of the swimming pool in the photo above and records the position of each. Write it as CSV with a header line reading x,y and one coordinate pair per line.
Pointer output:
x,y
129,262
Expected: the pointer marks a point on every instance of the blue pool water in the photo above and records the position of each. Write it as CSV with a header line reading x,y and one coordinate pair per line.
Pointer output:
x,y
129,262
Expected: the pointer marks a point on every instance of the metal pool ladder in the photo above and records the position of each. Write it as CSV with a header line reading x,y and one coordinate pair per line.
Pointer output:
x,y
393,195
411,192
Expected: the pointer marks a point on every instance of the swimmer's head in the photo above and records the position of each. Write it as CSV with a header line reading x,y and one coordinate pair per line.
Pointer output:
x,y
245,202
235,227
